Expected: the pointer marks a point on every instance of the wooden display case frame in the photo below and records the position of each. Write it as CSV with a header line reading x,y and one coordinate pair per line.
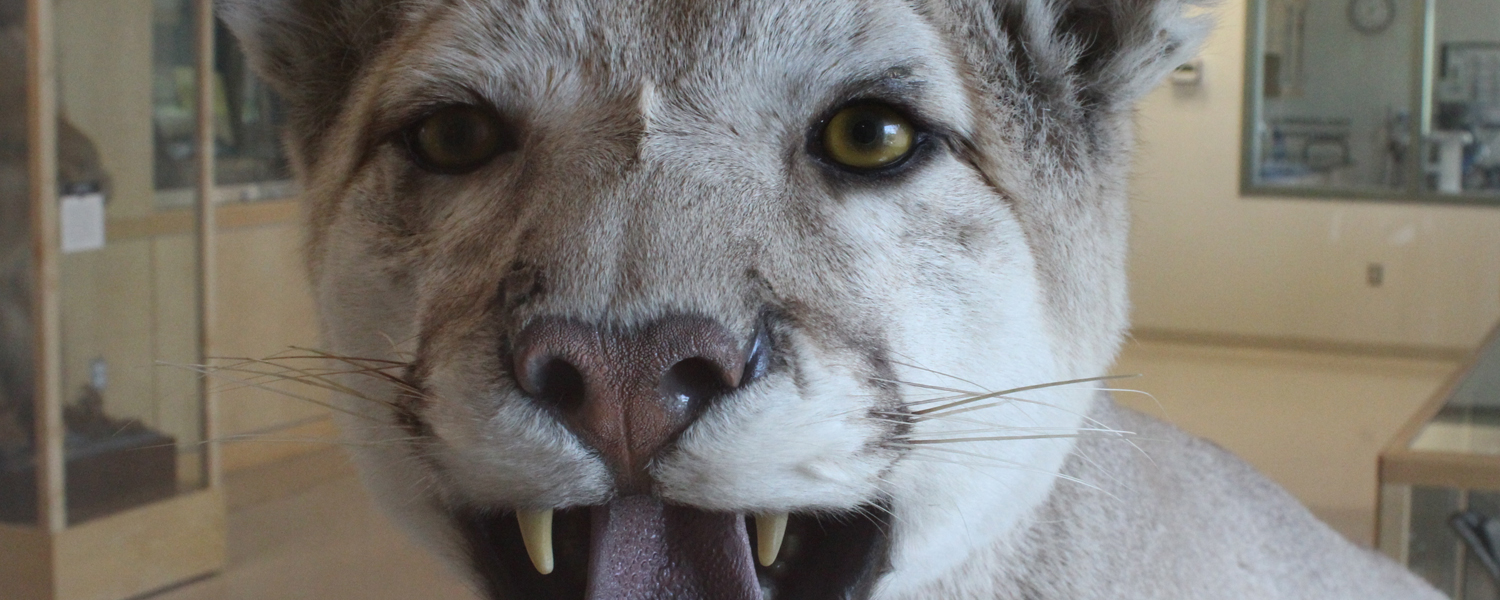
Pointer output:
x,y
150,547
1401,467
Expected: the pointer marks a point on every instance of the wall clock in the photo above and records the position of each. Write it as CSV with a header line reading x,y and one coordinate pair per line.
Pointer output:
x,y
1371,16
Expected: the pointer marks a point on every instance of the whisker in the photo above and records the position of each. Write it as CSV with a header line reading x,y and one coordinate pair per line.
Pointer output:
x,y
947,416
876,396
261,386
938,373
396,346
349,361
928,386
1035,430
318,377
1153,398
275,360
306,379
932,413
268,439
1006,393
998,438
316,353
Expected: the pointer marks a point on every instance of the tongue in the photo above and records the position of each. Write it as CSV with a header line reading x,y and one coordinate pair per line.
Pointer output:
x,y
645,550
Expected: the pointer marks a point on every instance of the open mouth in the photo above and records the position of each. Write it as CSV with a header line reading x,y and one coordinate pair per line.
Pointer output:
x,y
636,547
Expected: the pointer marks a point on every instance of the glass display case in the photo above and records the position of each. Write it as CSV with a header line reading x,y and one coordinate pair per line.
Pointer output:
x,y
250,162
108,485
1391,99
1439,498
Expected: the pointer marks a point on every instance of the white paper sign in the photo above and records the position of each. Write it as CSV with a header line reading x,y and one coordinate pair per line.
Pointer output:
x,y
82,220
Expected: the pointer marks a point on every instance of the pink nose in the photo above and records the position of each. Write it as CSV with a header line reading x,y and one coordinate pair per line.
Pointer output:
x,y
628,394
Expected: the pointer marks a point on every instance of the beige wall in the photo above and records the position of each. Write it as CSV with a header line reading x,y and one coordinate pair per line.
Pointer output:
x,y
264,307
1207,260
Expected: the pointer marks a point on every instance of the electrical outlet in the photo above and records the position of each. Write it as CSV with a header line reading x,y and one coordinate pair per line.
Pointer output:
x,y
1375,274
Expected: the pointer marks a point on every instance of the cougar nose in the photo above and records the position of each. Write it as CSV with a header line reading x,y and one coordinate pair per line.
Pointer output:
x,y
629,393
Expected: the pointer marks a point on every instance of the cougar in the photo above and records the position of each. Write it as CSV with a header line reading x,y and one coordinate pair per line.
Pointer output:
x,y
733,299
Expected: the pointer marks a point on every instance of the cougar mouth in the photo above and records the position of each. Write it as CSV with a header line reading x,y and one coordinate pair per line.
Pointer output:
x,y
637,548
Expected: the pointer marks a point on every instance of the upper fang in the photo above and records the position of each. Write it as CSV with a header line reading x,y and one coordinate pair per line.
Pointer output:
x,y
536,533
769,531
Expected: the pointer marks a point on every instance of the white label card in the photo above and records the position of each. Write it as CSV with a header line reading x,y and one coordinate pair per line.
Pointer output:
x,y
82,219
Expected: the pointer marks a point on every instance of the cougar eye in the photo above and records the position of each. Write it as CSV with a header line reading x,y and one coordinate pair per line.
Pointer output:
x,y
868,136
457,139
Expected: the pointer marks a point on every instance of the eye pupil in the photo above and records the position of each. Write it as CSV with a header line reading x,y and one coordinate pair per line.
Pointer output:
x,y
868,136
457,136
866,132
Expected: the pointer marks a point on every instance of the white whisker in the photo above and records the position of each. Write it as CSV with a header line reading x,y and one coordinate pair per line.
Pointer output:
x,y
938,373
998,438
1007,393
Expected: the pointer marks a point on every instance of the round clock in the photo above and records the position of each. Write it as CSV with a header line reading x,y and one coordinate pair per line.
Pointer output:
x,y
1371,16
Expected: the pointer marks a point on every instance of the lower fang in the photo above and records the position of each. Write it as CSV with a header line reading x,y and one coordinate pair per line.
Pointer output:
x,y
769,531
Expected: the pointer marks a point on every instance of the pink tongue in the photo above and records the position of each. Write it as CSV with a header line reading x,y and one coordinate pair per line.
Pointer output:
x,y
645,550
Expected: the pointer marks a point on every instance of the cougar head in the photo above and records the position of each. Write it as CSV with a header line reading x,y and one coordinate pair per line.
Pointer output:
x,y
716,299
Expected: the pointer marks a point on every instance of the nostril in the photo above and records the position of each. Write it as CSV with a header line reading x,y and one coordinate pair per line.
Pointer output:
x,y
559,383
627,393
687,385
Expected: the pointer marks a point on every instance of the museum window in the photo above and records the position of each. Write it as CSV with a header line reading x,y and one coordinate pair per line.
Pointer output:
x,y
1377,99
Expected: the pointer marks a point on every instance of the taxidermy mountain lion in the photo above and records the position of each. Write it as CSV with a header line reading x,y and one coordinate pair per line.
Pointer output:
x,y
722,299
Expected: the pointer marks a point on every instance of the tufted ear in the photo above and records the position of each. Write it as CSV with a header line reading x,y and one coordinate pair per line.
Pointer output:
x,y
311,51
1082,56
1124,48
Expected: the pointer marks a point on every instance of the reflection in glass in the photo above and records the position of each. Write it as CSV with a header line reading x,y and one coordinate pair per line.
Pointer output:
x,y
128,296
17,423
1469,421
250,163
1375,97
1464,137
174,96
1479,584
1434,550
1335,101
249,158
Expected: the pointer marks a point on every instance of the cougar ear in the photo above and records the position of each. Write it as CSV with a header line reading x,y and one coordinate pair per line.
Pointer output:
x,y
1081,56
311,51
1121,49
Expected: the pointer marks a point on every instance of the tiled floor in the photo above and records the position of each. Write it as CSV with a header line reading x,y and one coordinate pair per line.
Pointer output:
x,y
324,543
1313,422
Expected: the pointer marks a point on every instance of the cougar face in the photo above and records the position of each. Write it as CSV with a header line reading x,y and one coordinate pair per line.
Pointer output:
x,y
703,299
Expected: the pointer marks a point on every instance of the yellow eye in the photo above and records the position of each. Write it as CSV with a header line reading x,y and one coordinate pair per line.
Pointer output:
x,y
457,139
868,136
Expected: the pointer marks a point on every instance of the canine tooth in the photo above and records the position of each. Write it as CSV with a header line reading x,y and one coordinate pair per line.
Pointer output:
x,y
536,533
769,531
